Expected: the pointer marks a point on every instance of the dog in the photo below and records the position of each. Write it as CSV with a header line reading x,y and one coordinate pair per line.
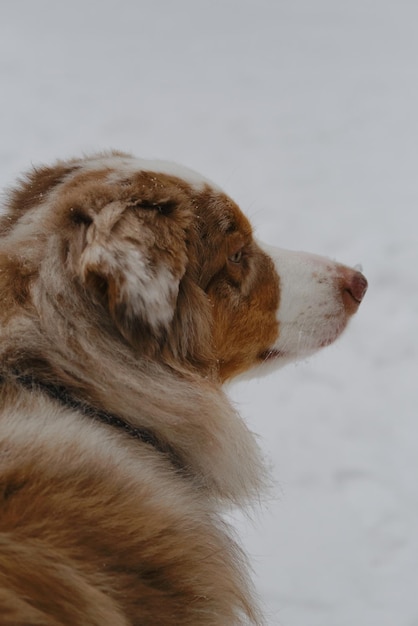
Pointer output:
x,y
131,290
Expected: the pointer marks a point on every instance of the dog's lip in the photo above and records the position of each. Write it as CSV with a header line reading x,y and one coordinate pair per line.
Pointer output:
x,y
271,354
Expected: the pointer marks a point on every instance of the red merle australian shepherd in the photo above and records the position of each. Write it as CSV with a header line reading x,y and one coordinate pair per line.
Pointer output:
x,y
130,291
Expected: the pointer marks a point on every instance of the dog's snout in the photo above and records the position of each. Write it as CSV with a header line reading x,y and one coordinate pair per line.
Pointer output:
x,y
353,286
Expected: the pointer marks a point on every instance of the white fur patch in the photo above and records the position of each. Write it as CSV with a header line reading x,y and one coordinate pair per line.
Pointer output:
x,y
122,166
147,292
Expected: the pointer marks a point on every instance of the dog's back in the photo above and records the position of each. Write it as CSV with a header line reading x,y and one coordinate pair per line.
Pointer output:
x,y
95,530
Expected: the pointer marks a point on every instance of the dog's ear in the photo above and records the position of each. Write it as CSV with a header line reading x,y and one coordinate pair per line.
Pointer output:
x,y
134,256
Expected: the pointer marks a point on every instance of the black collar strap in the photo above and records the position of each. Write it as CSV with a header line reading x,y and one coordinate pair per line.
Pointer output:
x,y
60,394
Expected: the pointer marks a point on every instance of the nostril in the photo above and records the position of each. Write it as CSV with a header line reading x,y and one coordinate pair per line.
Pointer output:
x,y
357,286
354,287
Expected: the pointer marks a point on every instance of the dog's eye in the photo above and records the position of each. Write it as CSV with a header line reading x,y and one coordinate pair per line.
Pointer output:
x,y
236,258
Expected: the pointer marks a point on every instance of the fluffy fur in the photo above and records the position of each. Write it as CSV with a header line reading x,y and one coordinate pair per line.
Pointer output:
x,y
130,292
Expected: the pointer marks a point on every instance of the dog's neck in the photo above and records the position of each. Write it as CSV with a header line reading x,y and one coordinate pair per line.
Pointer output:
x,y
181,417
65,398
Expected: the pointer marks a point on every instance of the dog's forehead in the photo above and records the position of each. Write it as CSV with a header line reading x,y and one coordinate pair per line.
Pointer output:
x,y
213,205
121,166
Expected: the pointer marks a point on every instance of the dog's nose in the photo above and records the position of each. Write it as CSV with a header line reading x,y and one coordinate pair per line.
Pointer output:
x,y
357,286
353,286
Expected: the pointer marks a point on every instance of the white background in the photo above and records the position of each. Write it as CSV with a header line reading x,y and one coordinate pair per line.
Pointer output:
x,y
305,111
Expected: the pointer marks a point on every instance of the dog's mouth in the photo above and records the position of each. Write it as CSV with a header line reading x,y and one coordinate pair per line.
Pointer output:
x,y
273,354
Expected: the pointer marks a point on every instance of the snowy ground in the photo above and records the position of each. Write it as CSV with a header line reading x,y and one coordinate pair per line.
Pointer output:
x,y
306,113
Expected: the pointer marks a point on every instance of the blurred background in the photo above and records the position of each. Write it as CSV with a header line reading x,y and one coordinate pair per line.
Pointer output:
x,y
306,114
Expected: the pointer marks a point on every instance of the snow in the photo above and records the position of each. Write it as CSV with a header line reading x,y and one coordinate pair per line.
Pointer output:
x,y
306,113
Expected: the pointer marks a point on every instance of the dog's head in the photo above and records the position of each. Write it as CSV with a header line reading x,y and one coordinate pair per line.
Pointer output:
x,y
162,260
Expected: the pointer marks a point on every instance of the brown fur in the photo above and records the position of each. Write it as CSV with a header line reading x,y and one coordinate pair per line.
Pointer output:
x,y
138,293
